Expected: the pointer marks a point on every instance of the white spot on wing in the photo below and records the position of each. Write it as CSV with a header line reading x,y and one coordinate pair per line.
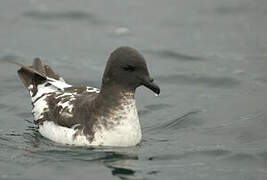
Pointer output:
x,y
92,89
58,83
64,94
42,89
42,92
61,79
76,125
64,105
39,107
30,86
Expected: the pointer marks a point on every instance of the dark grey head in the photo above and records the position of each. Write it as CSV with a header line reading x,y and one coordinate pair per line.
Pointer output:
x,y
127,68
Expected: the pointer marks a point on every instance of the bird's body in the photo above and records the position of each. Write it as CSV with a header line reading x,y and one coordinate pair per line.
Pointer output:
x,y
58,114
87,116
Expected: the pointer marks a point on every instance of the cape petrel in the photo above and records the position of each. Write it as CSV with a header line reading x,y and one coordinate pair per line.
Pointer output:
x,y
87,116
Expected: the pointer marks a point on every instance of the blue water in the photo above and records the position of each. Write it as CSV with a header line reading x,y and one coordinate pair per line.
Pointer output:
x,y
209,58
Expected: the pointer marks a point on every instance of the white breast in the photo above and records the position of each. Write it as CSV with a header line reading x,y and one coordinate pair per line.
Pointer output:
x,y
126,133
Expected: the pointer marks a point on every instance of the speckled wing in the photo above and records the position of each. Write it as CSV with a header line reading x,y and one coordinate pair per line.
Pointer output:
x,y
52,98
55,102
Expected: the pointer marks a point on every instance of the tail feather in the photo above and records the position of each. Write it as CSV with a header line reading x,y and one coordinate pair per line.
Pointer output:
x,y
30,80
38,66
30,69
44,69
50,73
38,73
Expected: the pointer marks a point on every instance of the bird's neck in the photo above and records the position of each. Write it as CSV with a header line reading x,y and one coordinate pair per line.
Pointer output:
x,y
115,96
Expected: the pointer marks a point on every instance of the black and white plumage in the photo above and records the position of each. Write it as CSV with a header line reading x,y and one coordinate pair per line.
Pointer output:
x,y
87,116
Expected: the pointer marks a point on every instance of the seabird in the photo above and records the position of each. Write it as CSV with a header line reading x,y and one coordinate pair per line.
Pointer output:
x,y
87,116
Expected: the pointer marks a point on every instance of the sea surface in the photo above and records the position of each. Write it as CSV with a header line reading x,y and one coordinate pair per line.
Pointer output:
x,y
209,57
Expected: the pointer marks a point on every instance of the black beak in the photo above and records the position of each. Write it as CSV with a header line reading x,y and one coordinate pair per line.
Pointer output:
x,y
148,82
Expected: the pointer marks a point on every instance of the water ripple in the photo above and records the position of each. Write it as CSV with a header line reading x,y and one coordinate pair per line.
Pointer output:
x,y
174,55
62,15
179,122
193,79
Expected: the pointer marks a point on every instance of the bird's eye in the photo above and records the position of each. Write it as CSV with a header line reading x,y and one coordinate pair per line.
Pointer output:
x,y
129,67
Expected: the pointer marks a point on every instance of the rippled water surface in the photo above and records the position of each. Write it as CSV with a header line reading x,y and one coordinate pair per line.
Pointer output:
x,y
209,58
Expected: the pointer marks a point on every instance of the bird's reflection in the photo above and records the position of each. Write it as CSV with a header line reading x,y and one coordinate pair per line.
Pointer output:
x,y
123,163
